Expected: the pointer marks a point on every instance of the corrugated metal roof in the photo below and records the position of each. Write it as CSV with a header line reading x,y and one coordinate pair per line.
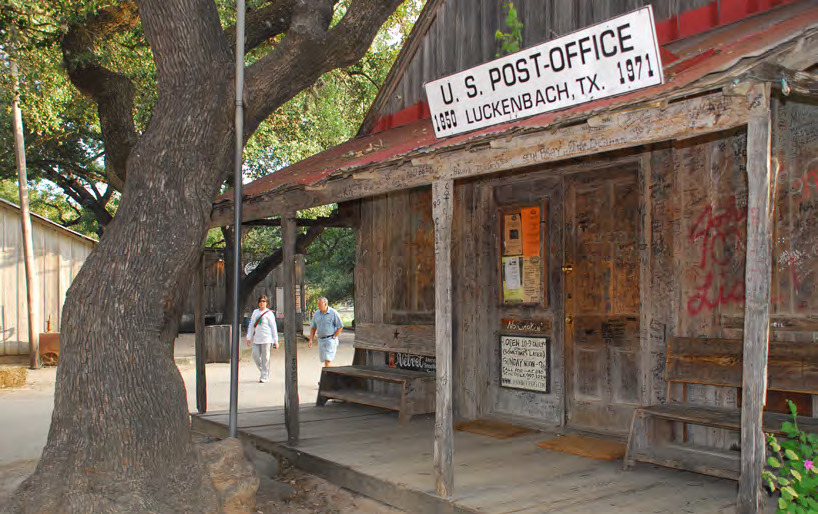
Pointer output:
x,y
710,53
45,221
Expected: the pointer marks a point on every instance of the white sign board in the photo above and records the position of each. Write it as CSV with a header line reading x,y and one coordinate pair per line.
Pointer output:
x,y
279,302
608,59
524,362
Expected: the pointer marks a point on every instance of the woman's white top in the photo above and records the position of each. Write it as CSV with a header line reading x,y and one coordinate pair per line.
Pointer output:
x,y
266,332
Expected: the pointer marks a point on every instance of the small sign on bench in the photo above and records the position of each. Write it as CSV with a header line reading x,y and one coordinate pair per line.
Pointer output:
x,y
525,363
410,361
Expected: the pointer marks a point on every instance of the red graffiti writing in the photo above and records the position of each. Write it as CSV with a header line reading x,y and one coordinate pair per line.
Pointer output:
x,y
721,239
716,230
804,184
704,299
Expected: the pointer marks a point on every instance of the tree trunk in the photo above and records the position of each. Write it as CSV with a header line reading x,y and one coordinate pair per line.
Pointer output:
x,y
120,431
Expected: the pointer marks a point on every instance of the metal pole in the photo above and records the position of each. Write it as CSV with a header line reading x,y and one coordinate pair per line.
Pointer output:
x,y
25,218
236,332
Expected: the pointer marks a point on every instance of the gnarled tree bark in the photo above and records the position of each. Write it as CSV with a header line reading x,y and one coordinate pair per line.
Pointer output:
x,y
120,434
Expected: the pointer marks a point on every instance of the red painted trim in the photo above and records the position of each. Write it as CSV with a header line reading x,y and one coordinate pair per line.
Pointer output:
x,y
413,113
689,23
713,15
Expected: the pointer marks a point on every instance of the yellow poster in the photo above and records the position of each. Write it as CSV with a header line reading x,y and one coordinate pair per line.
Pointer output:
x,y
512,234
512,279
532,290
530,222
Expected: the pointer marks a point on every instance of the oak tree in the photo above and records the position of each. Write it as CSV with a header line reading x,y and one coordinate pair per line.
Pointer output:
x,y
119,439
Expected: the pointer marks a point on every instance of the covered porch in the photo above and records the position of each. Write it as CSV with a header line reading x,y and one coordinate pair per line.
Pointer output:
x,y
366,450
631,173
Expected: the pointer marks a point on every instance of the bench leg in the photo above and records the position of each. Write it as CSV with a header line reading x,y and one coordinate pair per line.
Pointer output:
x,y
637,439
321,400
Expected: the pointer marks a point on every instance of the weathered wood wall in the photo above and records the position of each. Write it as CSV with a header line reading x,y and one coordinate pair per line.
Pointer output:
x,y
462,35
58,256
692,243
394,269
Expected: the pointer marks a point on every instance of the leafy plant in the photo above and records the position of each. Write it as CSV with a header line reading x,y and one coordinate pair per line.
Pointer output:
x,y
791,469
510,42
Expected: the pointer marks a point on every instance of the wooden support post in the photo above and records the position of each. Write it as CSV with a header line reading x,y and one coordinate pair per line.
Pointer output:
x,y
290,341
199,321
757,301
25,219
442,208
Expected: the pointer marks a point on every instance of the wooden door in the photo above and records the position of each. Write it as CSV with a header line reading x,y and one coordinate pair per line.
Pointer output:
x,y
602,300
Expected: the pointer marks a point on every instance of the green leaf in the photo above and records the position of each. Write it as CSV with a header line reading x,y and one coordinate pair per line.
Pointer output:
x,y
771,485
793,409
791,455
789,490
772,461
796,474
783,481
775,446
788,428
782,504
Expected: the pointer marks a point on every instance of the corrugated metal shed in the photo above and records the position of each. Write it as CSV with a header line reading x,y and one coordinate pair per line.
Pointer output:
x,y
59,253
703,62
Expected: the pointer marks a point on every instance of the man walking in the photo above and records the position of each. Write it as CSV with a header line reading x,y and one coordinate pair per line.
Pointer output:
x,y
327,324
262,333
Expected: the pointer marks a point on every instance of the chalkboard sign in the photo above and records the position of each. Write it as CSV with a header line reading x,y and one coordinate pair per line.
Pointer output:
x,y
525,363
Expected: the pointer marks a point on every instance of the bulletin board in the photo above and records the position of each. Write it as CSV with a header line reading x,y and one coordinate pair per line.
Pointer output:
x,y
522,233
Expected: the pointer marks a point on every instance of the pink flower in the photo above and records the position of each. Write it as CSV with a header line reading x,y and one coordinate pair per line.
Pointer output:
x,y
807,465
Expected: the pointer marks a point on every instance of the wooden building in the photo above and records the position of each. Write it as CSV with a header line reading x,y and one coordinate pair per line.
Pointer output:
x,y
639,214
58,256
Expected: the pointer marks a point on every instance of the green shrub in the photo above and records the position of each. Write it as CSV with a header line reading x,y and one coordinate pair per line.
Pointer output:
x,y
791,469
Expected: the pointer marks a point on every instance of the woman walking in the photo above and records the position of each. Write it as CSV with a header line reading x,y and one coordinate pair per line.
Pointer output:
x,y
262,333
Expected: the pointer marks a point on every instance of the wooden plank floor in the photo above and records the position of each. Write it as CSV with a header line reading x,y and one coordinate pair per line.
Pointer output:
x,y
365,449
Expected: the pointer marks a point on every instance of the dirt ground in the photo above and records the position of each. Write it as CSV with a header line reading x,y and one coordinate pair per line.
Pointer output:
x,y
26,414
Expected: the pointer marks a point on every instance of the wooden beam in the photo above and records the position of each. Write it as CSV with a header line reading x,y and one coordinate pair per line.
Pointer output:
x,y
290,341
442,209
337,219
757,300
603,133
787,80
199,320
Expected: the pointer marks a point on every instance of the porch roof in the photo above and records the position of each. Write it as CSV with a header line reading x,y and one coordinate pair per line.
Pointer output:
x,y
695,64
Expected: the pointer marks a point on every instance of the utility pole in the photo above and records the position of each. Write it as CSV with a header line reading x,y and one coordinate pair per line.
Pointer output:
x,y
28,242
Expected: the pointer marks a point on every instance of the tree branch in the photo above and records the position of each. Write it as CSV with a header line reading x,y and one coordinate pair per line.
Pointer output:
x,y
262,24
365,75
74,190
113,92
310,49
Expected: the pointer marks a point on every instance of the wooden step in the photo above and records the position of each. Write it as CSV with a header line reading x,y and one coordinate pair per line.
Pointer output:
x,y
708,461
363,397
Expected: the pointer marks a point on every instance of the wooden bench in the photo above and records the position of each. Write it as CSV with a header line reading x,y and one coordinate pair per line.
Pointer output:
x,y
791,367
376,379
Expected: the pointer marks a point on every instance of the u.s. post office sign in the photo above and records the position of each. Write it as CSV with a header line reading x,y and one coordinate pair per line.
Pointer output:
x,y
611,58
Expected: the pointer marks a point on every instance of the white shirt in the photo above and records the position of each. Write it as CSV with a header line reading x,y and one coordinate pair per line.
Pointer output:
x,y
266,332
